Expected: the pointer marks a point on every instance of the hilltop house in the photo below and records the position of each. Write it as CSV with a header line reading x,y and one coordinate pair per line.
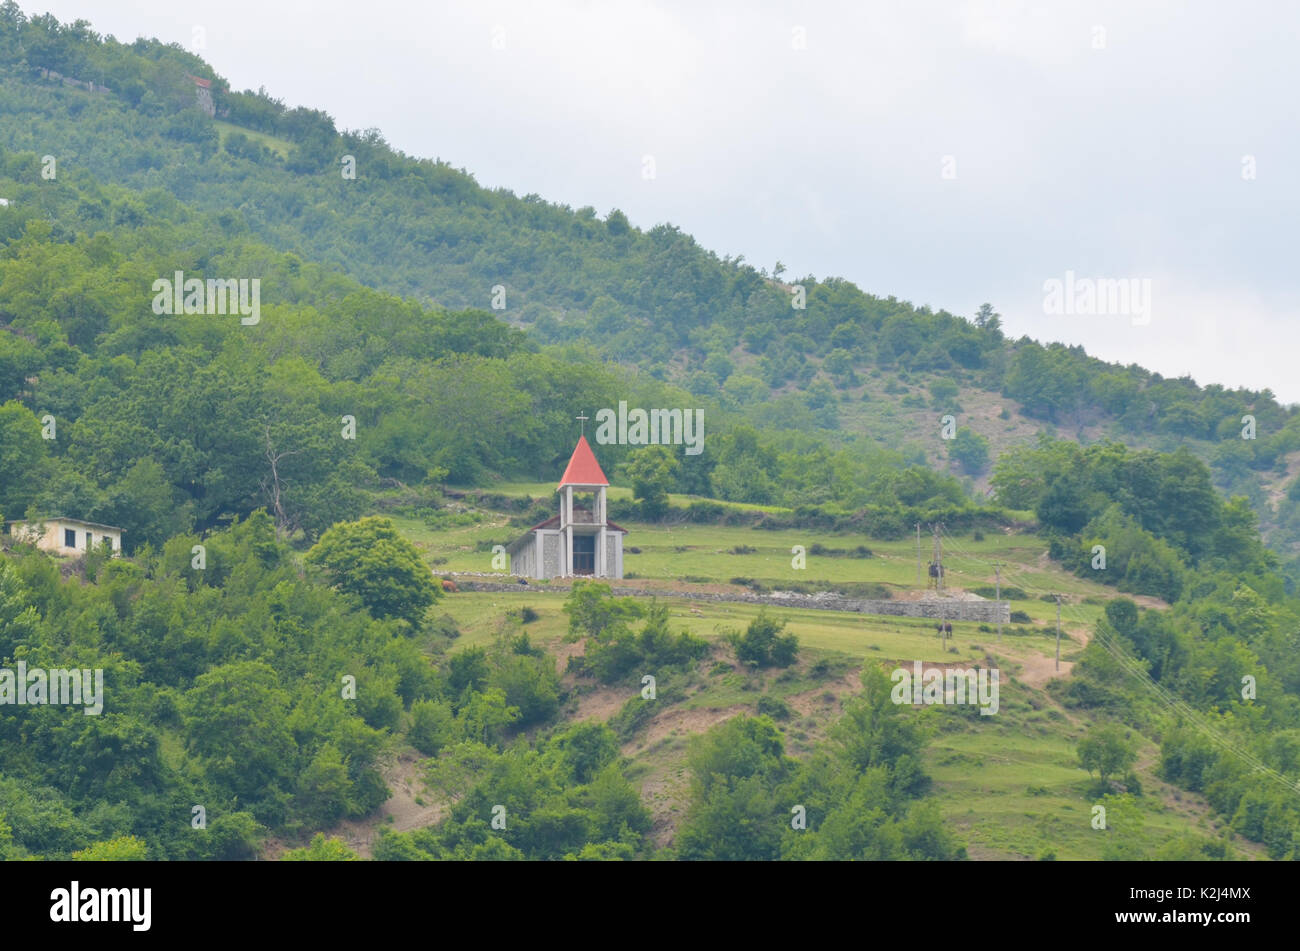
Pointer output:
x,y
67,536
203,95
580,541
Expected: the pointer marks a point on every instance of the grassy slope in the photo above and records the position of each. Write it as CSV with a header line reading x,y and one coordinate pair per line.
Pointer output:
x,y
1008,783
279,146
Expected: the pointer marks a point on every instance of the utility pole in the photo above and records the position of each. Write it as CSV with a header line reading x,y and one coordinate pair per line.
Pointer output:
x,y
1058,632
997,573
918,555
938,559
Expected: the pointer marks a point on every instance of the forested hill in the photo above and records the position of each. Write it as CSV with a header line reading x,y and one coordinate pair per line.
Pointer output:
x,y
247,450
859,370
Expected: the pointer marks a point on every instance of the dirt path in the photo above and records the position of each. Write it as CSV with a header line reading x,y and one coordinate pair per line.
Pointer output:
x,y
1037,669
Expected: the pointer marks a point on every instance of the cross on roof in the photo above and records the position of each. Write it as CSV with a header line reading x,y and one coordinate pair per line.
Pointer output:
x,y
582,424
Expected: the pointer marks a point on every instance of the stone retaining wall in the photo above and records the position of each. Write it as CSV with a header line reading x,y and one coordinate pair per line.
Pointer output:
x,y
985,612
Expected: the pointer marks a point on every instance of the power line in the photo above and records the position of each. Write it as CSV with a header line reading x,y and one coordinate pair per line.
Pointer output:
x,y
1137,669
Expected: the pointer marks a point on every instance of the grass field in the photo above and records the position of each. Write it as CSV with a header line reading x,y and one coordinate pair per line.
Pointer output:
x,y
279,146
719,553
479,617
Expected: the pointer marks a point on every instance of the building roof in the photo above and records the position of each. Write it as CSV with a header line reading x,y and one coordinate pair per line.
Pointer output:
x,y
583,469
65,518
554,522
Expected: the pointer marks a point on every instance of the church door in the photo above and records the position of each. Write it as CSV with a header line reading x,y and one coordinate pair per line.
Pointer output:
x,y
584,554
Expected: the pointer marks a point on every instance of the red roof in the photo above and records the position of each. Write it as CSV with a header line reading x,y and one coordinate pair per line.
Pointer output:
x,y
199,81
583,469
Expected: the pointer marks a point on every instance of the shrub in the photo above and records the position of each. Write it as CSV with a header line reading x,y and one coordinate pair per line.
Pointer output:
x,y
635,714
623,652
321,849
444,625
529,684
774,708
431,726
1009,593
763,644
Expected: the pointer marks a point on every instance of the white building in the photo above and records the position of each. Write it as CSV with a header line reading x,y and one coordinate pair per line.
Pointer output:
x,y
580,541
67,536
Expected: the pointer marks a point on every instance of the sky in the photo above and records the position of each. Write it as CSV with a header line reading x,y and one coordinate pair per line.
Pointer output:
x,y
945,153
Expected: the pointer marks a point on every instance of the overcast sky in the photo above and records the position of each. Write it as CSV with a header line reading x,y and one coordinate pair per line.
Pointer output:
x,y
944,153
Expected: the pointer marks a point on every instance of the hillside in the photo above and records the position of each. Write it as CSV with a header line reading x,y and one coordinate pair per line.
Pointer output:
x,y
299,465
859,370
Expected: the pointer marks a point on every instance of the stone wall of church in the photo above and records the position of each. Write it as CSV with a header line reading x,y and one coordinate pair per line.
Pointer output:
x,y
523,561
552,562
613,554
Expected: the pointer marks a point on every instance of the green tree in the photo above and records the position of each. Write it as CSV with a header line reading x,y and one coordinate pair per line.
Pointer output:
x,y
431,726
1105,751
653,470
763,645
323,788
987,319
23,461
592,608
969,450
876,731
235,718
370,560
735,813
468,670
18,616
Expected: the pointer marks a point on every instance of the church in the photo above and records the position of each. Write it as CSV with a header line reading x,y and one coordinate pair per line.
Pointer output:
x,y
580,541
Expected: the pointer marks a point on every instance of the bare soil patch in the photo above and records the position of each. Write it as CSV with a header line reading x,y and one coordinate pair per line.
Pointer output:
x,y
405,780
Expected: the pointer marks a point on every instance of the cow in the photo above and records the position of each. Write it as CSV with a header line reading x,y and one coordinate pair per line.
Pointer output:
x,y
448,585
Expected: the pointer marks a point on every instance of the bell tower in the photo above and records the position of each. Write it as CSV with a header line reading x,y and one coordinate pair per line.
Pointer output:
x,y
584,529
